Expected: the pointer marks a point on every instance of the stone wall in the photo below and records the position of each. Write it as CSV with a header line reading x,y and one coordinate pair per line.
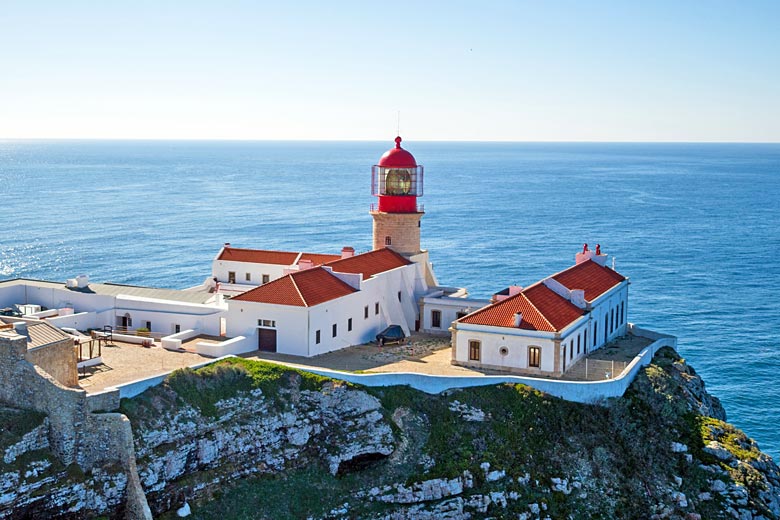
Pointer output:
x,y
59,360
76,436
402,228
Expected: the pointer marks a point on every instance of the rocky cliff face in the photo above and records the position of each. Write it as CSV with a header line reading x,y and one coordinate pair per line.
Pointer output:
x,y
246,440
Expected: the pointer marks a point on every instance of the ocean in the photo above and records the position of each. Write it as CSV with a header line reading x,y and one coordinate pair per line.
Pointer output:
x,y
696,227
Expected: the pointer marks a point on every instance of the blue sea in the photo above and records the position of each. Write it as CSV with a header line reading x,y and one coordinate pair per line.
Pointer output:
x,y
696,227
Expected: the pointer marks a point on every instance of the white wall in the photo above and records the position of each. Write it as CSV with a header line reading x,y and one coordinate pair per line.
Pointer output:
x,y
220,269
449,308
517,342
165,314
292,324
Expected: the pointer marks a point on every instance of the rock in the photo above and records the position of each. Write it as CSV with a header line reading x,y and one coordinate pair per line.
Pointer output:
x,y
678,447
680,499
495,475
718,486
693,516
534,508
717,450
705,496
678,481
184,511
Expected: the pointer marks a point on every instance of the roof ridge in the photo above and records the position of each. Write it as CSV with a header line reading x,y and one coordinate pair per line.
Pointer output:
x,y
297,289
491,306
537,308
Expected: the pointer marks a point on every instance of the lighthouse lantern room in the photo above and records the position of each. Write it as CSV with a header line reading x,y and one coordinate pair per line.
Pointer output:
x,y
397,180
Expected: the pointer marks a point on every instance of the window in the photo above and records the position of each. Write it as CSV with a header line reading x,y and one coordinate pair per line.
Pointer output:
x,y
231,277
534,357
176,328
376,308
266,278
365,312
504,351
578,344
399,296
317,337
612,319
585,339
349,324
335,330
474,350
388,241
248,277
622,313
436,319
571,349
606,327
266,323
595,333
460,314
149,325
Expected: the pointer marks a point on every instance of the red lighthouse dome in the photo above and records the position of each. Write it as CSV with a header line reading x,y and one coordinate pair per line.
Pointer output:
x,y
397,181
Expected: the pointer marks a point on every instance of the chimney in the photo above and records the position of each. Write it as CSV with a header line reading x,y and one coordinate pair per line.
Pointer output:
x,y
21,329
518,319
304,264
578,298
347,252
227,244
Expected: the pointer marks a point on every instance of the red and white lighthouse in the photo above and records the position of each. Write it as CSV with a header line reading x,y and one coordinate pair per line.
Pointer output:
x,y
397,181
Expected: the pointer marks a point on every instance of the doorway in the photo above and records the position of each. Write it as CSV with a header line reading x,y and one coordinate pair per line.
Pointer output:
x,y
266,340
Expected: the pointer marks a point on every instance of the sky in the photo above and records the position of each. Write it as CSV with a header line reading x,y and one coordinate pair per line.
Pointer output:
x,y
454,70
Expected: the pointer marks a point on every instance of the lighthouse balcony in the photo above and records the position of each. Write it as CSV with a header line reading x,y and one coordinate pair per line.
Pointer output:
x,y
416,208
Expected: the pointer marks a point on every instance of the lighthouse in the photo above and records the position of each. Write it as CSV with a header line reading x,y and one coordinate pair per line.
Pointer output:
x,y
397,181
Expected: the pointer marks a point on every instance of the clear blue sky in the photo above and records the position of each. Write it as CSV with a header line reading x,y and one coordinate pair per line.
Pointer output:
x,y
469,70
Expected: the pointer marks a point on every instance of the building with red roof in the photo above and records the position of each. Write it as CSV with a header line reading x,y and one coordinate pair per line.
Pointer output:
x,y
342,302
547,327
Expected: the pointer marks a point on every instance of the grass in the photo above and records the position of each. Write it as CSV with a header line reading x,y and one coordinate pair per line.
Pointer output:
x,y
202,388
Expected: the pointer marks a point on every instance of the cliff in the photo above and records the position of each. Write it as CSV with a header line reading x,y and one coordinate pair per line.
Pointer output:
x,y
243,439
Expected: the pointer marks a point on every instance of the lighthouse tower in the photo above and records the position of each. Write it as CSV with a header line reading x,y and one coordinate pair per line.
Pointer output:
x,y
397,181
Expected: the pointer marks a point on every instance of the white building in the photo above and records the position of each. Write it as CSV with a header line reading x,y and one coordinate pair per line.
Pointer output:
x,y
342,303
547,327
236,270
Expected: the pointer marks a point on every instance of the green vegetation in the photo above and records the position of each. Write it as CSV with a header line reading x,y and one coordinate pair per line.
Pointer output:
x,y
14,423
202,388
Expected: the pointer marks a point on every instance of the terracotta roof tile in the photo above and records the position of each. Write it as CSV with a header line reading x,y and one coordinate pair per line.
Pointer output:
x,y
542,309
370,264
261,256
302,289
591,277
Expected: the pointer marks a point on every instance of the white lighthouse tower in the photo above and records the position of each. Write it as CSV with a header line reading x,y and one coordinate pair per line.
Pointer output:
x,y
397,180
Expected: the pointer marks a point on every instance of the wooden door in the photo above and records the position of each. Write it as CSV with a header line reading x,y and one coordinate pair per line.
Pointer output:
x,y
266,340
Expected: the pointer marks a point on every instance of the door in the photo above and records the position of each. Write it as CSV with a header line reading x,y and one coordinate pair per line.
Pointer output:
x,y
266,340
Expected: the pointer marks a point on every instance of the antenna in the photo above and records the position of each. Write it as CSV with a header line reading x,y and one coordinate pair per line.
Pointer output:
x,y
398,128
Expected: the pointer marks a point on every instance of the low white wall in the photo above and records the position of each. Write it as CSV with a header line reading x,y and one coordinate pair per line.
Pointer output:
x,y
133,388
237,345
78,321
126,338
173,342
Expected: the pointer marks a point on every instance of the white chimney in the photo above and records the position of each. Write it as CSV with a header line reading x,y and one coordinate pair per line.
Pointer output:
x,y
82,281
347,252
518,319
578,298
21,329
304,264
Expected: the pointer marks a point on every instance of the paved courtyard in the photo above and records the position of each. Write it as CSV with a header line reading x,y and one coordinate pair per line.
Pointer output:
x,y
125,362
431,354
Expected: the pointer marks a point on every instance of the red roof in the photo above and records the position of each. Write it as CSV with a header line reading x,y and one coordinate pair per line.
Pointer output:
x,y
371,263
397,157
302,289
260,256
542,310
593,278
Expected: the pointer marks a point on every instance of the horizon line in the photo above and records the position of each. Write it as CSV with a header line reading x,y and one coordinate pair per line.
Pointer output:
x,y
315,140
